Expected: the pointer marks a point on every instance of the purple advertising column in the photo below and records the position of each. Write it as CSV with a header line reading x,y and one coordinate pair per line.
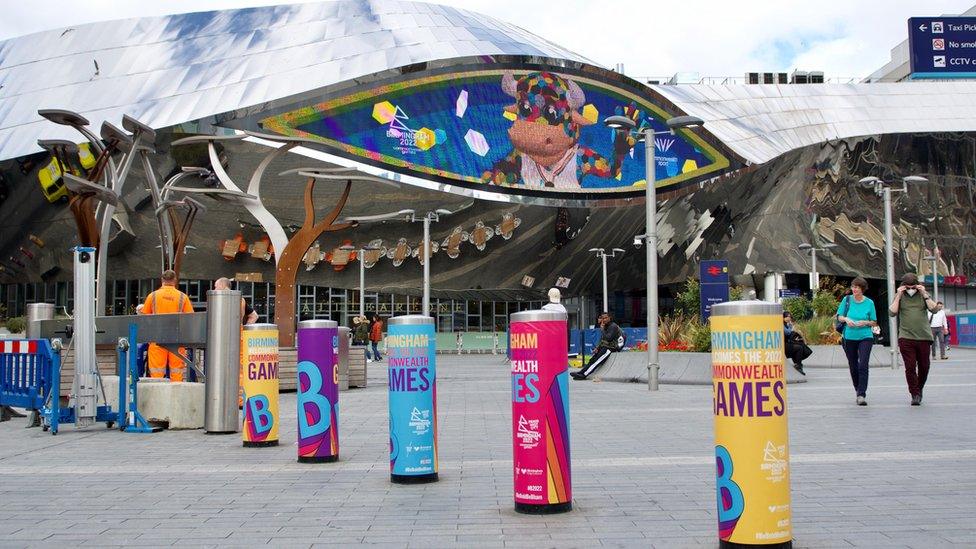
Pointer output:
x,y
318,391
540,412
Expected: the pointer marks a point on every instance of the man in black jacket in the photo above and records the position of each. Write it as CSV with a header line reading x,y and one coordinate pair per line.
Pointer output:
x,y
611,341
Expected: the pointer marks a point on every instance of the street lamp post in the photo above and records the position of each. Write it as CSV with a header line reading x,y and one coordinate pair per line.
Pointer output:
x,y
935,271
814,275
603,255
884,190
647,133
428,217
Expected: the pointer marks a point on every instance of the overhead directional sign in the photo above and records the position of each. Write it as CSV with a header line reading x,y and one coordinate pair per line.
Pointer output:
x,y
942,47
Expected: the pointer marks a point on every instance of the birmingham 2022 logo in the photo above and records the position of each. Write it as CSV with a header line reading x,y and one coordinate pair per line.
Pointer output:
x,y
731,502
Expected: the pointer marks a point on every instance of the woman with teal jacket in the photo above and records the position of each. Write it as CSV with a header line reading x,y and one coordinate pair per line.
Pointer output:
x,y
858,316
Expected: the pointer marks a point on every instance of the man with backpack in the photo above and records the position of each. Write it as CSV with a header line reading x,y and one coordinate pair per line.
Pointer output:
x,y
612,340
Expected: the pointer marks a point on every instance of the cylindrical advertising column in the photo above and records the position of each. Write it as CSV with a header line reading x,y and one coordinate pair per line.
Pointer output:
x,y
222,362
540,412
752,451
410,351
260,361
318,391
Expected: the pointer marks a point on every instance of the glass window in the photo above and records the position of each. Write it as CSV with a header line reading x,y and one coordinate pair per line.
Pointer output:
x,y
474,323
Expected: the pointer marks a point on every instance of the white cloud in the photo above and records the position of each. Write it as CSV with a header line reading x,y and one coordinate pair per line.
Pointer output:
x,y
714,38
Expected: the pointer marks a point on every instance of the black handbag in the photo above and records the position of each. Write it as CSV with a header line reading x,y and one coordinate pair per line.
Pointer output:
x,y
838,325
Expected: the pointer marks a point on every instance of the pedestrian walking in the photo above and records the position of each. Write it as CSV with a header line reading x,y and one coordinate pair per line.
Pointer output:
x,y
940,331
911,305
360,335
611,340
856,318
376,335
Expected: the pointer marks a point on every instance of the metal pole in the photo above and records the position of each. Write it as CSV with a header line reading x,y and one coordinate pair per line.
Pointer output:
x,y
650,199
603,256
935,272
362,283
814,279
890,264
426,252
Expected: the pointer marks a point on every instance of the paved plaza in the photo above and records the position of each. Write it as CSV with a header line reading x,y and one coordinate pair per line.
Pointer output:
x,y
888,475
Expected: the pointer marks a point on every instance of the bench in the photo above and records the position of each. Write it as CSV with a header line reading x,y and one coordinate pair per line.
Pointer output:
x,y
675,369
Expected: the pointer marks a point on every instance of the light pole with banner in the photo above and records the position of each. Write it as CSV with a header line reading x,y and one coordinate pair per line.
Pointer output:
x,y
647,133
884,190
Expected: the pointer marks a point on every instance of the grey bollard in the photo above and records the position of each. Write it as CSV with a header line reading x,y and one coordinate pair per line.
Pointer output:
x,y
35,312
344,337
222,362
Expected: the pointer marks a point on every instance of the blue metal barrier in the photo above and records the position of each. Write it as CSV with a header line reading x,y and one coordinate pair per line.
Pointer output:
x,y
25,372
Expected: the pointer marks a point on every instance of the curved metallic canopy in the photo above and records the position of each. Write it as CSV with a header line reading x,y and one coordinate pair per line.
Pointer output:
x,y
182,68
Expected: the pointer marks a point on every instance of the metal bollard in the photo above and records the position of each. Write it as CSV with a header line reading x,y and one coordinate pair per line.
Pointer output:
x,y
260,357
752,452
35,312
318,391
222,362
344,338
540,412
411,359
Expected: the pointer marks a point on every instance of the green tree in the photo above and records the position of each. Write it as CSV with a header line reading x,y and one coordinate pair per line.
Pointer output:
x,y
798,307
824,304
689,299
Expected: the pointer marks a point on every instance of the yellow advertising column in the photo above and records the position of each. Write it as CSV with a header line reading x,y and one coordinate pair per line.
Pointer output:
x,y
259,354
752,453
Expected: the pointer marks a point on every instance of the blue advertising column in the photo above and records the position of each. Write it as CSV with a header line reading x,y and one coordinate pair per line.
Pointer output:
x,y
318,391
410,351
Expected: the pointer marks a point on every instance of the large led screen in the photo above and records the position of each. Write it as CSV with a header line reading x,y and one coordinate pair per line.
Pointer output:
x,y
520,132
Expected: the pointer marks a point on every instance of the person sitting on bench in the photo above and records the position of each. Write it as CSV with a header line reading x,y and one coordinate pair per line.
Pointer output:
x,y
611,341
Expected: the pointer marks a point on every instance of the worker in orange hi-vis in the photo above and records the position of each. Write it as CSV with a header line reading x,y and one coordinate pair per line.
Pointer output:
x,y
248,316
166,300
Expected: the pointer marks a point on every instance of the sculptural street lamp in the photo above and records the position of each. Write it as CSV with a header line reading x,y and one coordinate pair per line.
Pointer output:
x,y
884,190
647,133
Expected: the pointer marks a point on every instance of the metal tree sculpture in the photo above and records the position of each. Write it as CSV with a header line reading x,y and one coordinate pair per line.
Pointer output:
x,y
288,252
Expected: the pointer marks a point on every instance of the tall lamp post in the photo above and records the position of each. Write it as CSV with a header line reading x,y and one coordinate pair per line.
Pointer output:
x,y
647,133
884,190
814,275
935,271
427,218
362,278
405,214
603,255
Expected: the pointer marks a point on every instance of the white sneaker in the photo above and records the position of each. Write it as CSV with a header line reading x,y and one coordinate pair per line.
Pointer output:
x,y
369,360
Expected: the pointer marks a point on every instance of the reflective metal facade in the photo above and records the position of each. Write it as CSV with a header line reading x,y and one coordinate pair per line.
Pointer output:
x,y
181,68
761,122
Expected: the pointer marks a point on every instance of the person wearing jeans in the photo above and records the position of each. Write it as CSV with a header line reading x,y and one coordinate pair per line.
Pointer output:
x,y
940,331
858,316
912,305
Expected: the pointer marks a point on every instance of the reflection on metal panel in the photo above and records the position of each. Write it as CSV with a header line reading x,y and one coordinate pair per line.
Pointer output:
x,y
179,68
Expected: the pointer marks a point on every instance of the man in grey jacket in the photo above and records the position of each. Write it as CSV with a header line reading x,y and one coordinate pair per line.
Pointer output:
x,y
611,341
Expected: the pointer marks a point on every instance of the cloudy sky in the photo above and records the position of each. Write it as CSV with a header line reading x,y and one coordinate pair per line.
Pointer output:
x,y
843,38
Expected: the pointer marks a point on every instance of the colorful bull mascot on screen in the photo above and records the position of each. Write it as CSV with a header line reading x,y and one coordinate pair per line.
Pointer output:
x,y
545,136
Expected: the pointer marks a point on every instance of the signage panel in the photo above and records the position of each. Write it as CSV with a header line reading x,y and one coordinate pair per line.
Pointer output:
x,y
942,47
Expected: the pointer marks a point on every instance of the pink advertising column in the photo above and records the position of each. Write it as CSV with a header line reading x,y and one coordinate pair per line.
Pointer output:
x,y
540,412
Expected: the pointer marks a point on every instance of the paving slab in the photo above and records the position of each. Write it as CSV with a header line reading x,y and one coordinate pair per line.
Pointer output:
x,y
885,475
